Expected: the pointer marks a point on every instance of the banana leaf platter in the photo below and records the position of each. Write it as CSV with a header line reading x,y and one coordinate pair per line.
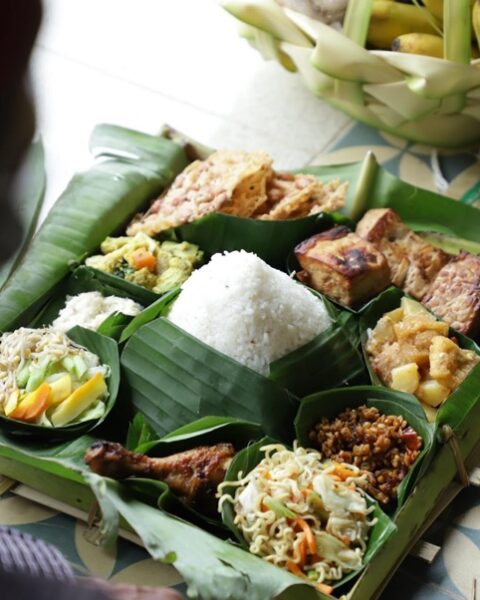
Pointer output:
x,y
183,393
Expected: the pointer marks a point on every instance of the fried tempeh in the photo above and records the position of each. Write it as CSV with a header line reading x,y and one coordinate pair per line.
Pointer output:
x,y
413,262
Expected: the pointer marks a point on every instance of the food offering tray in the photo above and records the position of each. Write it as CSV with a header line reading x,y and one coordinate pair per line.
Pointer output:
x,y
130,170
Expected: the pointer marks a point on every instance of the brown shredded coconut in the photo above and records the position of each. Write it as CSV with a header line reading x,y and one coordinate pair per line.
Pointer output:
x,y
384,446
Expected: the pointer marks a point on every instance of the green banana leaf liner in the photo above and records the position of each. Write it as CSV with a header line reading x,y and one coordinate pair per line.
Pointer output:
x,y
455,409
31,183
96,203
107,351
249,458
175,379
390,402
206,431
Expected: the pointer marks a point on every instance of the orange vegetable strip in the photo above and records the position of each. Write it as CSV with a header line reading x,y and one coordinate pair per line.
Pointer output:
x,y
310,538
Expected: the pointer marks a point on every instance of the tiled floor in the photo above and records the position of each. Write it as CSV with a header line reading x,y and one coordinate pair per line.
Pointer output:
x,y
142,63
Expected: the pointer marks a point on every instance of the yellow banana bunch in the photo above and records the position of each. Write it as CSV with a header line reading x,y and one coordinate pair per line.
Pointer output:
x,y
476,20
419,43
390,20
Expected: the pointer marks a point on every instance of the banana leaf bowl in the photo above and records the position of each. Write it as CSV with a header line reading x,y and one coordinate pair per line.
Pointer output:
x,y
178,392
430,100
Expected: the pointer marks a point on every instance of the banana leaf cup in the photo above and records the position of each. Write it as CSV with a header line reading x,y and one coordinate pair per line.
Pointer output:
x,y
107,351
389,402
206,431
454,410
249,458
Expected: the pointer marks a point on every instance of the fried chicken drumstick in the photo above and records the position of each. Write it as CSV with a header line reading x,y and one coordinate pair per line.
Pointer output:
x,y
193,475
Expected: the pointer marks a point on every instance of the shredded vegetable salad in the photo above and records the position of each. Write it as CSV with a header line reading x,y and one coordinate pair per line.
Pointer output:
x,y
47,379
301,514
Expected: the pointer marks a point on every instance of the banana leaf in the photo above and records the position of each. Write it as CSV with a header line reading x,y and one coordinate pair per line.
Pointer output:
x,y
249,457
455,409
107,351
212,569
330,403
174,379
272,241
420,209
28,201
329,360
157,309
95,204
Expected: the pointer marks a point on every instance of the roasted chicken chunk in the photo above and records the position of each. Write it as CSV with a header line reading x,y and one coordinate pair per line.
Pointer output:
x,y
413,262
455,294
341,265
193,475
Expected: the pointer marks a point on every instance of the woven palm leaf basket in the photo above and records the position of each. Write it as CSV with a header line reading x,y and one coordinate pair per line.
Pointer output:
x,y
433,101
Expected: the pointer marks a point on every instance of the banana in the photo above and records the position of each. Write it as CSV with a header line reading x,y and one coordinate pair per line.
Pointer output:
x,y
419,43
476,20
389,20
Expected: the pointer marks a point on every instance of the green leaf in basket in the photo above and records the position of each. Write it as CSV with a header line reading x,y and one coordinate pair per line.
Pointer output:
x,y
176,379
249,458
95,204
455,409
390,402
28,202
106,349
114,325
449,244
272,241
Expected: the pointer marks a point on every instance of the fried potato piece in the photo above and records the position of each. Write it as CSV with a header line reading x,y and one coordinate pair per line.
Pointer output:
x,y
455,294
413,262
340,264
232,182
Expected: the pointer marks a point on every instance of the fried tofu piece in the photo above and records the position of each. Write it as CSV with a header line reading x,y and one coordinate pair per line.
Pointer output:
x,y
455,294
413,262
232,182
343,266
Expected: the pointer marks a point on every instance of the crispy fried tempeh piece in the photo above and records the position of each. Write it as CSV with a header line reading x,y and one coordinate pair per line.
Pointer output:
x,y
193,475
413,262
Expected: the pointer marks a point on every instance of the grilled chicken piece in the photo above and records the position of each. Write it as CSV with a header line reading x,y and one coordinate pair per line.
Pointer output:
x,y
413,262
193,475
341,265
455,294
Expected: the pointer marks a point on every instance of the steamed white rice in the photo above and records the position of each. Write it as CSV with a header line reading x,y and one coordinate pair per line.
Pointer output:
x,y
244,308
90,309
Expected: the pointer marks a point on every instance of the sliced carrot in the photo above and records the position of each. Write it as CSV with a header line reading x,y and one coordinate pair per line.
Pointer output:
x,y
295,569
143,259
324,588
309,536
32,406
